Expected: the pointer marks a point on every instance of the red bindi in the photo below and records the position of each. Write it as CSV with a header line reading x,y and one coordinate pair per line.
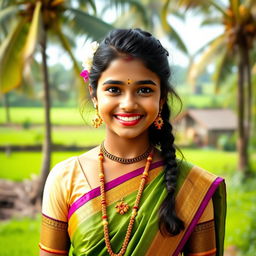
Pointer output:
x,y
128,58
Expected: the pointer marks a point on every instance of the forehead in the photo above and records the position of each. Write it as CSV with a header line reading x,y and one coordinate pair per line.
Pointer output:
x,y
121,69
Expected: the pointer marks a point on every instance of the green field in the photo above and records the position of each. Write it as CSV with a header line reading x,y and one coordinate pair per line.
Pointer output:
x,y
75,136
59,116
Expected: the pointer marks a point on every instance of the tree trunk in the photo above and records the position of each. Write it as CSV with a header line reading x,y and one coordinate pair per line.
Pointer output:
x,y
249,93
7,108
242,138
47,145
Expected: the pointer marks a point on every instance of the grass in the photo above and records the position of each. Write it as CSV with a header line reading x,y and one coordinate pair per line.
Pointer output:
x,y
14,166
80,136
19,237
218,162
59,116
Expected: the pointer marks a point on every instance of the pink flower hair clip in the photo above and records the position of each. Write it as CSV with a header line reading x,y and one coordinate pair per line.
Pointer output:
x,y
88,58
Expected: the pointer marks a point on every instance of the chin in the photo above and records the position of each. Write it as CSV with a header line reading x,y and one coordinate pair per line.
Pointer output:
x,y
131,134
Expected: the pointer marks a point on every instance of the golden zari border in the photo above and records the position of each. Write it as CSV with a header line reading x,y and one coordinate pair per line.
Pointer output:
x,y
188,200
202,240
54,236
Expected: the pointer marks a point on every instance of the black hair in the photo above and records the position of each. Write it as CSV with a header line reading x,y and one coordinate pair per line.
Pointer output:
x,y
142,45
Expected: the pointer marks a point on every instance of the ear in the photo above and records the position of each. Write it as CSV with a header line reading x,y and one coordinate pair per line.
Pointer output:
x,y
94,99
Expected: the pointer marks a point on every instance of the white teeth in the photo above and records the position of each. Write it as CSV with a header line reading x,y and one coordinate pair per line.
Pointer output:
x,y
130,118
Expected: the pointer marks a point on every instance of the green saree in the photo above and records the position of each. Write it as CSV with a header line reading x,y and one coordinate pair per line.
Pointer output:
x,y
196,188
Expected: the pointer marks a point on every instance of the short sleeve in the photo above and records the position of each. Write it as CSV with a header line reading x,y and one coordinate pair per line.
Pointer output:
x,y
55,196
54,229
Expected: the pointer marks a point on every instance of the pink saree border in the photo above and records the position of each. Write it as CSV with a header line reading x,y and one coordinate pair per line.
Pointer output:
x,y
113,183
198,214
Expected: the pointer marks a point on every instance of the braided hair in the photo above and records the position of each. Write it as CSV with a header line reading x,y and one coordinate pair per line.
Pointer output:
x,y
141,44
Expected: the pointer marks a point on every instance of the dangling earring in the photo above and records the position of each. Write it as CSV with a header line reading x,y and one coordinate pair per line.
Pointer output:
x,y
97,121
159,122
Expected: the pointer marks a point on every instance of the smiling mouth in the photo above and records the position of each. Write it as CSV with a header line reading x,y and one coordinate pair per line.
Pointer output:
x,y
128,119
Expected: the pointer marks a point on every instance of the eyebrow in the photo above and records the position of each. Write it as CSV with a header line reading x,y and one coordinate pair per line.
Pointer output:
x,y
141,82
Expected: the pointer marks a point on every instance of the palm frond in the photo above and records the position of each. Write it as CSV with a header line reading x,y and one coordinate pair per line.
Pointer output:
x,y
211,21
234,4
129,6
223,68
33,33
139,8
89,25
218,7
66,46
7,12
208,56
204,47
172,34
11,59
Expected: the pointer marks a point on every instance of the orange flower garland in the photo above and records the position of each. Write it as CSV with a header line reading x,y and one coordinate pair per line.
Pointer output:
x,y
134,210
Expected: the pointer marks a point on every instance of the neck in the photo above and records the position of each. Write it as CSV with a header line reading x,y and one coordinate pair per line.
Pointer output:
x,y
126,148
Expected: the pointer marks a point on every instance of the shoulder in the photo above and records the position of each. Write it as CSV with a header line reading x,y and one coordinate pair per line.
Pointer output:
x,y
62,170
90,155
89,160
57,190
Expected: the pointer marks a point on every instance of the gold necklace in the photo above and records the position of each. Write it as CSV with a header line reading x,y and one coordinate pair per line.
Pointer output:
x,y
124,160
134,210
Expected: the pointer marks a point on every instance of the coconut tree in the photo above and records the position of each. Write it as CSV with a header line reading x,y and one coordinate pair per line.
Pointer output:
x,y
231,50
31,24
152,18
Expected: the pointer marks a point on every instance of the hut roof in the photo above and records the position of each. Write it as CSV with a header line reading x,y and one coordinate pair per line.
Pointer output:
x,y
213,119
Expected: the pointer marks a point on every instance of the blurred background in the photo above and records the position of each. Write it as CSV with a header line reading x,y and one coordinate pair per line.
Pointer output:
x,y
45,110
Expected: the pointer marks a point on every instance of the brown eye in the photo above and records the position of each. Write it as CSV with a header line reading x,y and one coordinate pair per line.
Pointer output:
x,y
113,90
145,90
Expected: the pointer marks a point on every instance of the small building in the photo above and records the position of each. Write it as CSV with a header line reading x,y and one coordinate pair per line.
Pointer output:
x,y
203,127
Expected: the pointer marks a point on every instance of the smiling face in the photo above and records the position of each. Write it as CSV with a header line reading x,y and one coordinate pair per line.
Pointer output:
x,y
128,98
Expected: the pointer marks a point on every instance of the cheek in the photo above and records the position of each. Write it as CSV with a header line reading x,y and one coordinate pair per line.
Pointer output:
x,y
105,105
152,107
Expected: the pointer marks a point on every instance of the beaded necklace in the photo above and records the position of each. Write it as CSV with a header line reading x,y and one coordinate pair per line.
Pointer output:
x,y
125,160
134,210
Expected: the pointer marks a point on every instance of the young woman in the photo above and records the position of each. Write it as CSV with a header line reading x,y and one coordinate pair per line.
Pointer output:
x,y
130,195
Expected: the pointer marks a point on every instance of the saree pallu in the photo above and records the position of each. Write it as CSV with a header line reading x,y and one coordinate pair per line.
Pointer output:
x,y
195,189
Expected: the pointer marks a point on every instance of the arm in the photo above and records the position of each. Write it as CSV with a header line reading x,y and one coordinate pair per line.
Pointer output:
x,y
54,237
202,240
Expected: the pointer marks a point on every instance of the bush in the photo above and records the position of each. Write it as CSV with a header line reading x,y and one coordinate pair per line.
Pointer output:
x,y
227,142
249,237
26,124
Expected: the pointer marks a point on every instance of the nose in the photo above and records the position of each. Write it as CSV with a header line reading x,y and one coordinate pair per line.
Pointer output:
x,y
128,102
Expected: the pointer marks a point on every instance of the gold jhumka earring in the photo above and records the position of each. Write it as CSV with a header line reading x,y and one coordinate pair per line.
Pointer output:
x,y
97,121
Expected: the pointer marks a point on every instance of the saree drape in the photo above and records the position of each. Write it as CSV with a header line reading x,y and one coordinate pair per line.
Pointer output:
x,y
196,188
